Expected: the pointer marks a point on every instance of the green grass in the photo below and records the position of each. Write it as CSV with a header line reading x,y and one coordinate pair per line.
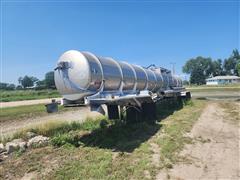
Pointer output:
x,y
21,112
218,92
18,95
111,150
25,112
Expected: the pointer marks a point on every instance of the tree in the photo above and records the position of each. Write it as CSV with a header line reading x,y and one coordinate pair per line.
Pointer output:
x,y
197,76
11,87
236,56
27,81
6,86
199,69
49,80
217,68
238,68
231,64
3,86
20,80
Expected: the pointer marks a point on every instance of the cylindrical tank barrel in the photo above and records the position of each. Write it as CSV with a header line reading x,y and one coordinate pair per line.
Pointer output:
x,y
129,76
112,75
81,74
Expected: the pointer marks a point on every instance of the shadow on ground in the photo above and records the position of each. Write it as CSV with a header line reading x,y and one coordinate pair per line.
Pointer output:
x,y
126,137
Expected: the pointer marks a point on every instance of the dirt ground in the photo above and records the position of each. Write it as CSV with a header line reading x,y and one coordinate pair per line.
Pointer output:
x,y
215,152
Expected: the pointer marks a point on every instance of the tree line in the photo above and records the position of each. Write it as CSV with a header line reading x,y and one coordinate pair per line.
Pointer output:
x,y
27,82
201,68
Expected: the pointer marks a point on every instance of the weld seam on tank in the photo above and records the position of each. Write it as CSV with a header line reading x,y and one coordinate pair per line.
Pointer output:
x,y
135,76
140,79
156,82
100,65
122,80
104,61
147,81
150,80
153,90
120,69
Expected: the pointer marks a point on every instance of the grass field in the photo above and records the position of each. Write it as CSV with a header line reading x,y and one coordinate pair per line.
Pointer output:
x,y
24,112
102,149
18,95
218,92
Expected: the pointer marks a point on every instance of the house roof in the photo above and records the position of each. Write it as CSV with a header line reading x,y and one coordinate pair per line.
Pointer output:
x,y
223,77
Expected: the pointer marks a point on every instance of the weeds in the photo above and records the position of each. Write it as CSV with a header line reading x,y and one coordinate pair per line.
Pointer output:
x,y
56,128
65,139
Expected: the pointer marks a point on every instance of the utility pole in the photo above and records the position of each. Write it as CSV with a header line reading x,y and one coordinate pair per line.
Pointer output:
x,y
173,67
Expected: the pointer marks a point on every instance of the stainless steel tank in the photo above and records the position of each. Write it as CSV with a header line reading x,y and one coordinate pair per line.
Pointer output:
x,y
73,77
141,77
160,82
165,81
80,74
129,76
112,75
96,72
151,79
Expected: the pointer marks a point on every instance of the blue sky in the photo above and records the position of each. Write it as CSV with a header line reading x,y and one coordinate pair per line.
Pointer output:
x,y
35,34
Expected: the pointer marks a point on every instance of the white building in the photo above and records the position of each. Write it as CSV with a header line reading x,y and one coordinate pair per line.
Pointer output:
x,y
222,80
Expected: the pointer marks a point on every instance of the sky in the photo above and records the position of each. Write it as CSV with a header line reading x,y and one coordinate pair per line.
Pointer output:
x,y
34,34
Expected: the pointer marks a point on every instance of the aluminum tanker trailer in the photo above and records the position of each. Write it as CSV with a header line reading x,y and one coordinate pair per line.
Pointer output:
x,y
82,77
